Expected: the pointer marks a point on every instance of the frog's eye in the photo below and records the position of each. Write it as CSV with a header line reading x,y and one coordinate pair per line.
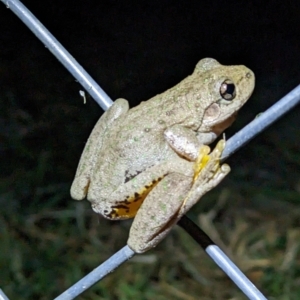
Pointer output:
x,y
227,90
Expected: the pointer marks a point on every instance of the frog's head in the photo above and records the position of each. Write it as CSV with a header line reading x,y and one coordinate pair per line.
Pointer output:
x,y
227,89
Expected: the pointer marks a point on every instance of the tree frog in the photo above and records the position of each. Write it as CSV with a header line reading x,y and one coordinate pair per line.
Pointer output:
x,y
152,161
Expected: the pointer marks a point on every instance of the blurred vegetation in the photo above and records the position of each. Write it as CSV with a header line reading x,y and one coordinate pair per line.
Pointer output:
x,y
48,241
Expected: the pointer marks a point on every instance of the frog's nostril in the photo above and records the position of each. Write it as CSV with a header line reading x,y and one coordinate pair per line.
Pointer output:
x,y
248,75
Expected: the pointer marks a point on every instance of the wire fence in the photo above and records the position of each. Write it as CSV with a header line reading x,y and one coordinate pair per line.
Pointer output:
x,y
232,145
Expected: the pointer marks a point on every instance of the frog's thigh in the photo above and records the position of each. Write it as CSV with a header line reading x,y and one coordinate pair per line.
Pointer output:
x,y
126,199
92,148
158,212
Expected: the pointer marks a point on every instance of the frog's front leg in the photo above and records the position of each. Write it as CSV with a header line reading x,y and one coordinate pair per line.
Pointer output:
x,y
158,214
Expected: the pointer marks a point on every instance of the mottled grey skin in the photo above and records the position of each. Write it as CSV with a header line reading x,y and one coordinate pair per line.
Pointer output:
x,y
149,151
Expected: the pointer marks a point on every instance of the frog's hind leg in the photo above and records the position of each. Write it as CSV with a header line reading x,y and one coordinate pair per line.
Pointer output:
x,y
122,199
92,148
158,212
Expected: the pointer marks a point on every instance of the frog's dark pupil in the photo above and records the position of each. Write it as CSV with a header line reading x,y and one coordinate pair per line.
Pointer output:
x,y
230,89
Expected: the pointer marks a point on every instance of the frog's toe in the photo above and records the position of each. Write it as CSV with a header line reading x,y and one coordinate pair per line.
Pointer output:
x,y
220,173
208,165
202,160
79,188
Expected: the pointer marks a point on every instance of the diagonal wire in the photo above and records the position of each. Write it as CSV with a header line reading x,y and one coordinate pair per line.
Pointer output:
x,y
260,123
104,101
97,274
3,296
57,49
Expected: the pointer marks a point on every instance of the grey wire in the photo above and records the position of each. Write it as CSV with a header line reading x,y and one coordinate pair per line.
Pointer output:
x,y
97,274
104,101
59,52
261,122
220,258
233,272
3,296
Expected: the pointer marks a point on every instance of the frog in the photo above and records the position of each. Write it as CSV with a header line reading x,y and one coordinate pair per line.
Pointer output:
x,y
152,162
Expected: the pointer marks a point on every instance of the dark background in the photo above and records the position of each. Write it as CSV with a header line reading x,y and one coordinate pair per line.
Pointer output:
x,y
135,50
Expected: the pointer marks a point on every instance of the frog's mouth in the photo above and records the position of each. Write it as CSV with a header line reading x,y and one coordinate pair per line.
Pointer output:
x,y
220,127
213,120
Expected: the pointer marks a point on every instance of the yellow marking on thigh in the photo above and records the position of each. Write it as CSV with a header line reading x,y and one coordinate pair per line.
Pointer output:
x,y
130,205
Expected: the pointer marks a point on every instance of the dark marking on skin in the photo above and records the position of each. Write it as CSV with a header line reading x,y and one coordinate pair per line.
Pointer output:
x,y
113,214
120,206
129,177
126,201
128,207
238,81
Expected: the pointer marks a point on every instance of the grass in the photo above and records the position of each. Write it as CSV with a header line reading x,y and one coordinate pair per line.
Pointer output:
x,y
44,252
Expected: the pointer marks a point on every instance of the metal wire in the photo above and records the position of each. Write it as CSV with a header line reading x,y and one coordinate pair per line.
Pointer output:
x,y
262,122
3,296
97,274
221,259
236,275
59,52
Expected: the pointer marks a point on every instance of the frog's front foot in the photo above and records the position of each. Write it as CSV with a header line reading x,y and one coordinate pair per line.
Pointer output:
x,y
208,174
208,165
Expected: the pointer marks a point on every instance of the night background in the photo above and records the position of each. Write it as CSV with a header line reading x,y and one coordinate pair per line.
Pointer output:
x,y
136,50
